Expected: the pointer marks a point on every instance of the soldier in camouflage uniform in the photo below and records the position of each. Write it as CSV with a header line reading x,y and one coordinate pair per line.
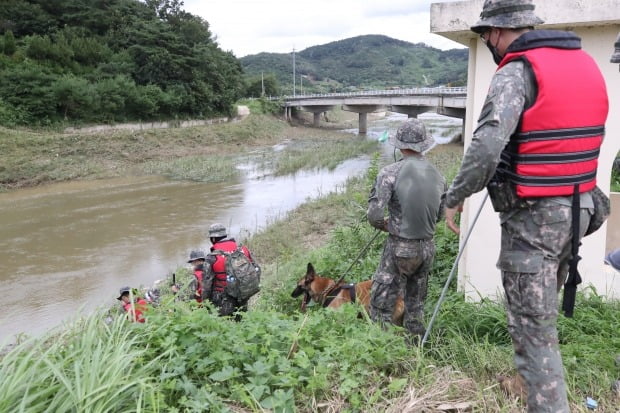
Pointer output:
x,y
411,191
215,277
536,231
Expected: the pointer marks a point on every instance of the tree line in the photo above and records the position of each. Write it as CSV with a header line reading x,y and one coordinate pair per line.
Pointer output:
x,y
84,61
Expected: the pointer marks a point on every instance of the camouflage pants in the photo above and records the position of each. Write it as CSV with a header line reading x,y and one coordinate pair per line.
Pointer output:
x,y
405,264
228,305
535,250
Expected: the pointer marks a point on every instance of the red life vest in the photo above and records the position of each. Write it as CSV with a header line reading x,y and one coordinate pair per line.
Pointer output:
x,y
139,307
199,274
219,266
556,145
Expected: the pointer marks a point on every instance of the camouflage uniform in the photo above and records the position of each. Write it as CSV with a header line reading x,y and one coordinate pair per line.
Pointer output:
x,y
411,190
535,238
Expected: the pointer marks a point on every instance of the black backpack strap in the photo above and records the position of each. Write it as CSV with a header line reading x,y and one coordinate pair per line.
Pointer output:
x,y
574,279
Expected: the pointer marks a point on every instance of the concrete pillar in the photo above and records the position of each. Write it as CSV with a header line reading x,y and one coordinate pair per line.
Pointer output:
x,y
411,111
363,123
316,118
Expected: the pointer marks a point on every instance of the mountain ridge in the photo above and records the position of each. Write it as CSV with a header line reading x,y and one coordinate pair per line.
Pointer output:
x,y
361,62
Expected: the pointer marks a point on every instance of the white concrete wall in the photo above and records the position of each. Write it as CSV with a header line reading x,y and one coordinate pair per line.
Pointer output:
x,y
597,22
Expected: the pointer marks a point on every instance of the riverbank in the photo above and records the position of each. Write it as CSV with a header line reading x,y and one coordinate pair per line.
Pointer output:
x,y
31,158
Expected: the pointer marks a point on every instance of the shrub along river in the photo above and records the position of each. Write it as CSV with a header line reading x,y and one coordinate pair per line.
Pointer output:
x,y
65,249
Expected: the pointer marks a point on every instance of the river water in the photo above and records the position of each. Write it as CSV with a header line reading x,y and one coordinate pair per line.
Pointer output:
x,y
66,249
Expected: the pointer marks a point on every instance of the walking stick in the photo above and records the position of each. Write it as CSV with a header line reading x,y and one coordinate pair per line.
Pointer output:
x,y
458,257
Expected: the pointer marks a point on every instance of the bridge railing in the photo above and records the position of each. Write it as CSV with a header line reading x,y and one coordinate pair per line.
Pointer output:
x,y
388,92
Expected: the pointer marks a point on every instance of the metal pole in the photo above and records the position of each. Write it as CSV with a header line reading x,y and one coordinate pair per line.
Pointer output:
x,y
293,71
445,287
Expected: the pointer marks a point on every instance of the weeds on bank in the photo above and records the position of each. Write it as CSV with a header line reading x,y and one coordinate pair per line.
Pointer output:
x,y
213,168
317,154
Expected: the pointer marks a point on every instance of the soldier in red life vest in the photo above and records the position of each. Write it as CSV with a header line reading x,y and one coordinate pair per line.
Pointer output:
x,y
135,310
535,149
214,284
197,259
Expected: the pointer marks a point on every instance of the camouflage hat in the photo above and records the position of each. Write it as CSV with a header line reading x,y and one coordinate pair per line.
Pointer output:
x,y
123,291
613,259
615,57
509,14
217,230
412,135
197,255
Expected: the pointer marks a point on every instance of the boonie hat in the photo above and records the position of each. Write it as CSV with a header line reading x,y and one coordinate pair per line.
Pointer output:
x,y
412,135
196,255
122,291
508,14
217,230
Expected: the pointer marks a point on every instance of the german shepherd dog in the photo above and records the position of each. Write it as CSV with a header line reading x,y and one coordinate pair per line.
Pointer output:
x,y
325,291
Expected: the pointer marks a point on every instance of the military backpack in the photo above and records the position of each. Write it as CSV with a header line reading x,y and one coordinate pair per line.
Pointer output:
x,y
242,274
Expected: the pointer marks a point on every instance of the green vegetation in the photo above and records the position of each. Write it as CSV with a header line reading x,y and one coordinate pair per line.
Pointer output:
x,y
615,174
358,63
187,359
83,61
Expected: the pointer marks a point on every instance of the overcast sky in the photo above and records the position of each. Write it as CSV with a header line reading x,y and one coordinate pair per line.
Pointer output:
x,y
277,26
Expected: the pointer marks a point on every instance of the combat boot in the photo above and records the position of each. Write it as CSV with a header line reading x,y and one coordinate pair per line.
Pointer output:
x,y
513,386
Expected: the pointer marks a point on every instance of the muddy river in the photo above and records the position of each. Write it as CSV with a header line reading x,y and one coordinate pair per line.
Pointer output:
x,y
65,249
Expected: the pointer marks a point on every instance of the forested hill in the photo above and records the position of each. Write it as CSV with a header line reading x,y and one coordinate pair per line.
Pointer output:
x,y
109,61
362,62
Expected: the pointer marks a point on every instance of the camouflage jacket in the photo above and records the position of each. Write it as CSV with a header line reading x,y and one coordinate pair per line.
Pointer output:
x,y
510,88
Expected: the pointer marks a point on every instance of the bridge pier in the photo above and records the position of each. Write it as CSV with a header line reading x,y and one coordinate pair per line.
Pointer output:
x,y
316,119
411,111
317,111
362,111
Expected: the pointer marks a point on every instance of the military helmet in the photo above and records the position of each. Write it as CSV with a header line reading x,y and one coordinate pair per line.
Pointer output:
x,y
217,230
122,291
615,57
197,255
613,259
509,14
412,135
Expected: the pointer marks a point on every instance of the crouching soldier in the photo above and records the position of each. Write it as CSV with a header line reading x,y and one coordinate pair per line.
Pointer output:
x,y
231,276
134,306
197,259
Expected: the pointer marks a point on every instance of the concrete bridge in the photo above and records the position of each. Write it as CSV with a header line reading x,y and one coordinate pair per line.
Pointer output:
x,y
449,101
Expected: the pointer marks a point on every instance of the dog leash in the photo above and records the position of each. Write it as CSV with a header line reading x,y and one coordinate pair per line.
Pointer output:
x,y
333,287
445,287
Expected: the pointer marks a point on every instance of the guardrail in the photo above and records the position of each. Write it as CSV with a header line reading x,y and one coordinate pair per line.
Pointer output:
x,y
389,92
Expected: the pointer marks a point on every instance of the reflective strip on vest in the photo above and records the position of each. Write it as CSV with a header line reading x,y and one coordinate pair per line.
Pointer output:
x,y
559,138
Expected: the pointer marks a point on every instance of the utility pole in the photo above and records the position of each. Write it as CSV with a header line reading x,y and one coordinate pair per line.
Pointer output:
x,y
293,71
262,84
301,84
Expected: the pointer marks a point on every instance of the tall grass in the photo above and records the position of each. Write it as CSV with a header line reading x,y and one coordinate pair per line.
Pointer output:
x,y
214,168
91,367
